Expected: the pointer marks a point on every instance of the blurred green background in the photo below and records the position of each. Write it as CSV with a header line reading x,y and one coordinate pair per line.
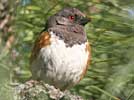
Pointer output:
x,y
111,34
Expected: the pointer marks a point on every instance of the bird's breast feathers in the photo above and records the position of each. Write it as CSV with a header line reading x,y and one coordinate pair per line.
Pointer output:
x,y
58,64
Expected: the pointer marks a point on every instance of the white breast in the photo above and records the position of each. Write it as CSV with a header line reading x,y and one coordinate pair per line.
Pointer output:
x,y
60,65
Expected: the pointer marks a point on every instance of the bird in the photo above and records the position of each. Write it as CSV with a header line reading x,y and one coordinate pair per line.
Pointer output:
x,y
61,53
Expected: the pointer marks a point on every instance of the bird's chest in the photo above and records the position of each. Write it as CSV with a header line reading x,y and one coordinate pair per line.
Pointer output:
x,y
61,64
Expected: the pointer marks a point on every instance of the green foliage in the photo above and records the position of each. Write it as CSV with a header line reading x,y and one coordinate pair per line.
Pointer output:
x,y
111,34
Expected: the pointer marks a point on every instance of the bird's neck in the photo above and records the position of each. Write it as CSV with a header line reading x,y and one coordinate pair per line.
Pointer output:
x,y
71,34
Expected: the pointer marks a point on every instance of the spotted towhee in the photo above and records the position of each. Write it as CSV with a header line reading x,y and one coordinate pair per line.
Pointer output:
x,y
61,53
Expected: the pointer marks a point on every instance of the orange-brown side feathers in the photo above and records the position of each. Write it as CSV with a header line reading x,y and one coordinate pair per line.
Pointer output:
x,y
87,49
42,41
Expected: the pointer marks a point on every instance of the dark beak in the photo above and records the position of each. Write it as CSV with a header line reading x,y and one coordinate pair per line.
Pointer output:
x,y
84,20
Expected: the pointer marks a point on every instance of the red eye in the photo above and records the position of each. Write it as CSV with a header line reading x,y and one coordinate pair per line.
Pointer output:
x,y
71,17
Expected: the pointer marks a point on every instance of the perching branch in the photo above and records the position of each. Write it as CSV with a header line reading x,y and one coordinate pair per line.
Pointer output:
x,y
34,90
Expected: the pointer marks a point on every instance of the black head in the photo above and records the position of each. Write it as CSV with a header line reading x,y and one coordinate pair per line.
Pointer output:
x,y
68,25
68,16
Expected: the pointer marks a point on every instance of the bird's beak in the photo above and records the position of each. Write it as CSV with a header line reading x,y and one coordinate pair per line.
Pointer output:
x,y
84,20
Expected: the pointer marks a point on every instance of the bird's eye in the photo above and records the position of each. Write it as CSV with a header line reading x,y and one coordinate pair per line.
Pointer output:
x,y
71,18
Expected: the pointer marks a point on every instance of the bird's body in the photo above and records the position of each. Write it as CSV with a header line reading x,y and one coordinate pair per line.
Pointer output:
x,y
61,55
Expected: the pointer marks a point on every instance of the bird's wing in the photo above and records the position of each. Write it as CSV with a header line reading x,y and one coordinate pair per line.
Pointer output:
x,y
88,49
42,41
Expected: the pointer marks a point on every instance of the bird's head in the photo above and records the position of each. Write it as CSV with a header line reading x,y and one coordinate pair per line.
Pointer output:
x,y
68,24
68,16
